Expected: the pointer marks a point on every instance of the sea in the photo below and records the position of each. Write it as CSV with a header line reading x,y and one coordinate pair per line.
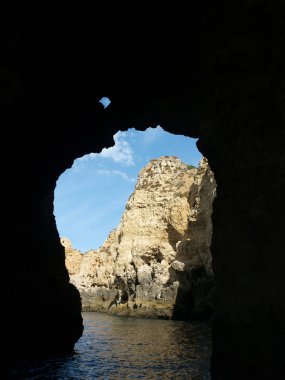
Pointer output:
x,y
123,348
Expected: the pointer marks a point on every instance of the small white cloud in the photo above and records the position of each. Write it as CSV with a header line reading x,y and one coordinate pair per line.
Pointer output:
x,y
150,135
79,164
121,152
104,172
82,159
105,101
119,173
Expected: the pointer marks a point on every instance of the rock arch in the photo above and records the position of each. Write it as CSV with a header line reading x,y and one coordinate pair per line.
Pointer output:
x,y
223,84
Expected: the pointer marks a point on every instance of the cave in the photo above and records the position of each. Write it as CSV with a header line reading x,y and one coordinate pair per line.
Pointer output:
x,y
210,71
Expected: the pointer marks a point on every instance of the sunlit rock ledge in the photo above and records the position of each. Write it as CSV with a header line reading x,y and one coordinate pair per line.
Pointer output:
x,y
157,262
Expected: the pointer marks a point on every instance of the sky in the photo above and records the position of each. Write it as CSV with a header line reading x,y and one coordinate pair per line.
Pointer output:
x,y
90,197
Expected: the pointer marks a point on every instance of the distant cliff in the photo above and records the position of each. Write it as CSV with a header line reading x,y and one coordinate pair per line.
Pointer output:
x,y
157,262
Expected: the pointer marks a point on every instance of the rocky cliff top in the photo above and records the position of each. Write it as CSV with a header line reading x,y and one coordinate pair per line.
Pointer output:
x,y
163,173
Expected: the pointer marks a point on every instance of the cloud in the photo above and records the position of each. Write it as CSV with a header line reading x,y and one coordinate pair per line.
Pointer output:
x,y
150,135
79,164
121,152
120,174
115,172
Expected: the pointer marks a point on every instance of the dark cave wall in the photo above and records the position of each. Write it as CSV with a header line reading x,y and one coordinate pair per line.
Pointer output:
x,y
215,72
248,257
244,143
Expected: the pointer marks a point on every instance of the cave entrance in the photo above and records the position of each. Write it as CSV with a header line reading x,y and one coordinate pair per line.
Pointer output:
x,y
135,221
90,197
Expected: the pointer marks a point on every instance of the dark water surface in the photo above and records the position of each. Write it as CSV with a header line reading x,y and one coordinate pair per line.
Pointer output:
x,y
128,348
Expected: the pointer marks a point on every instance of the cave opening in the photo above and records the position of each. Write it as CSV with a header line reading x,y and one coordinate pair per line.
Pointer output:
x,y
135,223
160,184
90,197
219,65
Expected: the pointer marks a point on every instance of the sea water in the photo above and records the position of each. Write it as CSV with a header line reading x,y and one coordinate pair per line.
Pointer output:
x,y
122,348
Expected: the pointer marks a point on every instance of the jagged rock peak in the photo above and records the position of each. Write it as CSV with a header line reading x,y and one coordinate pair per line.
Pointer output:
x,y
160,170
66,242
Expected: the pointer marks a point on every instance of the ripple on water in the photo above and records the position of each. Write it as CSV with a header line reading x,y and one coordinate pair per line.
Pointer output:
x,y
113,348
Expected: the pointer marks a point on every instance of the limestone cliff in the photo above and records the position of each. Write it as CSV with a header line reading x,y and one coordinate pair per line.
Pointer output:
x,y
157,262
73,257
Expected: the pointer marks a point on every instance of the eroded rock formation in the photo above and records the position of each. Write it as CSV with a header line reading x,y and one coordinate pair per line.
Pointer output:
x,y
157,263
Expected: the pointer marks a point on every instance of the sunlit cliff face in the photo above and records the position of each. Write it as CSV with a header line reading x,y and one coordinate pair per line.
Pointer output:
x,y
157,262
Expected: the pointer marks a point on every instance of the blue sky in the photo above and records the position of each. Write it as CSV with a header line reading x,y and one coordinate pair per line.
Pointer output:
x,y
90,197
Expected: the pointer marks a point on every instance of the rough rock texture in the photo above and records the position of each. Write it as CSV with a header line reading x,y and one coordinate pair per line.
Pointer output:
x,y
210,70
73,257
157,263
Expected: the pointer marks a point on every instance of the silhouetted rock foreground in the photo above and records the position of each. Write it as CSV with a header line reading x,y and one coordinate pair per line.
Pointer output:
x,y
157,262
214,71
